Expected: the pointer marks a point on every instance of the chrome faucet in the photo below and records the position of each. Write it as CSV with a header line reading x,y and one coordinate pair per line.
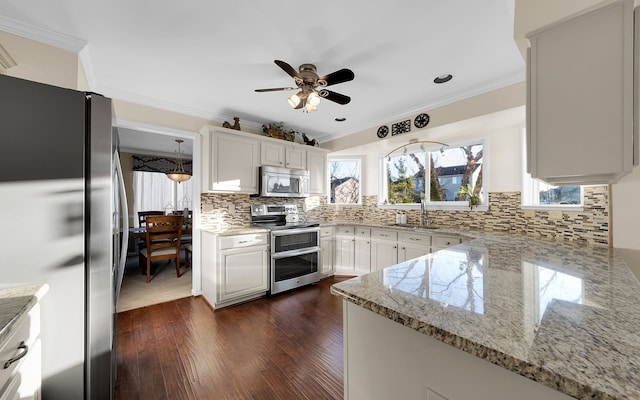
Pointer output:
x,y
424,214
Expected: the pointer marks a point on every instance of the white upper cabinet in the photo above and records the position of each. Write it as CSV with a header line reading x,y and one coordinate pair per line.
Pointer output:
x,y
580,83
317,167
283,155
230,161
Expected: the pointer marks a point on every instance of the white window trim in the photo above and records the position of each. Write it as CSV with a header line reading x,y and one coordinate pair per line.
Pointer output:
x,y
345,158
440,205
530,186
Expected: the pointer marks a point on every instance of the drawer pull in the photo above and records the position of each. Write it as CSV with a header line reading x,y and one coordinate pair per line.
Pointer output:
x,y
384,235
22,346
244,241
447,243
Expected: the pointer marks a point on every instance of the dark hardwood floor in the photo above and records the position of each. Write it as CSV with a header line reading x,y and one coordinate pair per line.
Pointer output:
x,y
288,346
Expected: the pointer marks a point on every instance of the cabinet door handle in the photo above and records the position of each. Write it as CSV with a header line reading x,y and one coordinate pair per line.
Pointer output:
x,y
10,361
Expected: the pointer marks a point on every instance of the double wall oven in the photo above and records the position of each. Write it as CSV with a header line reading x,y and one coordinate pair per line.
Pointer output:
x,y
295,246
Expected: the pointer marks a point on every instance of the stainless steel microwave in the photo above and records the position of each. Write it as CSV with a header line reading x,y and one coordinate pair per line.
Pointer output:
x,y
283,182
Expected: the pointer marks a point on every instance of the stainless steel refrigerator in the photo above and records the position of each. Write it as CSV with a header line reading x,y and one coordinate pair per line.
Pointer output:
x,y
61,199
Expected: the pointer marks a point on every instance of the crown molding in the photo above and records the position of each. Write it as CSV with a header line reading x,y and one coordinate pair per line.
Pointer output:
x,y
6,61
42,35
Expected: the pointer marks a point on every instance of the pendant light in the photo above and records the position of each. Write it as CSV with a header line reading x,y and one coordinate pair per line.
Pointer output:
x,y
179,174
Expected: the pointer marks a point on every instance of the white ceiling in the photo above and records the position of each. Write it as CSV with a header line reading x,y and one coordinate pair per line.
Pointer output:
x,y
205,58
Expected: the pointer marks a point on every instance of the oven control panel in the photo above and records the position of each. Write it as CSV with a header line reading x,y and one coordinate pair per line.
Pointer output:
x,y
273,209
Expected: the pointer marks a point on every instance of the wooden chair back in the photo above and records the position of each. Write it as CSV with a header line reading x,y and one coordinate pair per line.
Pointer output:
x,y
162,240
142,216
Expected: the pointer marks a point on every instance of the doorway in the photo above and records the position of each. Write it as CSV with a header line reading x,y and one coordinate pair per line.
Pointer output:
x,y
153,141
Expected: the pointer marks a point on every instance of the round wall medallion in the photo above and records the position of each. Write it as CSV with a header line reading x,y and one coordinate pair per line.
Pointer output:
x,y
383,131
421,120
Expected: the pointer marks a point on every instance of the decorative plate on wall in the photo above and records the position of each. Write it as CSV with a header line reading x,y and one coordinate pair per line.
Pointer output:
x,y
421,120
401,127
383,131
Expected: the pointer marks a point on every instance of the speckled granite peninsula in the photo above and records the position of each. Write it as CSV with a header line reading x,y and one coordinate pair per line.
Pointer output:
x,y
15,301
565,316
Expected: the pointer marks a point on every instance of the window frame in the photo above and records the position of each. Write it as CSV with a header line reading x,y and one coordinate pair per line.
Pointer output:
x,y
531,186
438,205
360,161
174,202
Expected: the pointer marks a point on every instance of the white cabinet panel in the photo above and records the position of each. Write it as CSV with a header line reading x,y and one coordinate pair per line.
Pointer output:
x,y
243,272
233,163
317,167
580,112
284,155
234,268
345,250
326,256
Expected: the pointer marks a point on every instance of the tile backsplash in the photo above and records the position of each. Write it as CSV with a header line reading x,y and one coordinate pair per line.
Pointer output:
x,y
590,226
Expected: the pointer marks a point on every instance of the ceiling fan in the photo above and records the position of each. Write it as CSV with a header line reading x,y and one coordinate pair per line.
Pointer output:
x,y
312,87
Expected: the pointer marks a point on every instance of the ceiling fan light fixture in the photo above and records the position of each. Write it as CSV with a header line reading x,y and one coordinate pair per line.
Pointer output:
x,y
313,99
311,108
294,100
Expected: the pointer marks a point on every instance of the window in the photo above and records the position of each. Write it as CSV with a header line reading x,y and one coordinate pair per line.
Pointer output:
x,y
538,194
436,174
345,183
154,191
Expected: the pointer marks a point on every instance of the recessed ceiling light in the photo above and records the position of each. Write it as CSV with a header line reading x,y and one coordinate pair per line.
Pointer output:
x,y
443,78
340,119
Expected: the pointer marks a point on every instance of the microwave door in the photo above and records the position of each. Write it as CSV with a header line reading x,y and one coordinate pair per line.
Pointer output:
x,y
279,184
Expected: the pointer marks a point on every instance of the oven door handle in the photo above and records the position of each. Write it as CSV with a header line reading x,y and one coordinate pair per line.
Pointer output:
x,y
294,231
294,253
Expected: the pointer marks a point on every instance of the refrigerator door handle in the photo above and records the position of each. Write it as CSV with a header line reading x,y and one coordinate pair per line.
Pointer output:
x,y
125,224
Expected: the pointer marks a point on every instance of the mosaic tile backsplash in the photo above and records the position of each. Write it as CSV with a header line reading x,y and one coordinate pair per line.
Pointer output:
x,y
590,226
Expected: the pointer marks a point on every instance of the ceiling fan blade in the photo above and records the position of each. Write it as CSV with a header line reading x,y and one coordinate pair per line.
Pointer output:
x,y
336,97
276,89
287,68
340,76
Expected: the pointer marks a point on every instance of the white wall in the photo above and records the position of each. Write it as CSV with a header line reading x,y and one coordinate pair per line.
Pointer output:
x,y
626,212
503,134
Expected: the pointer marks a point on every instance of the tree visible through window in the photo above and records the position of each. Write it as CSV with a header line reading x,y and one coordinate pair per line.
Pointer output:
x,y
408,180
345,185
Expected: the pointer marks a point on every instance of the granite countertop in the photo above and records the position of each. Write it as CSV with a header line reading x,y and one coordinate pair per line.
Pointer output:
x,y
563,315
436,230
248,229
15,301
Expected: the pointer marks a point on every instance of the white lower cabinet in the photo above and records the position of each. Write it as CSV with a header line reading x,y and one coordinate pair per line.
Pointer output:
x,y
442,242
21,379
234,268
362,257
345,250
326,251
384,248
412,245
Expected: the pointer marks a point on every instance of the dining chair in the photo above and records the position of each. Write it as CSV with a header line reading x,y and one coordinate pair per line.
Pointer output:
x,y
142,216
162,240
